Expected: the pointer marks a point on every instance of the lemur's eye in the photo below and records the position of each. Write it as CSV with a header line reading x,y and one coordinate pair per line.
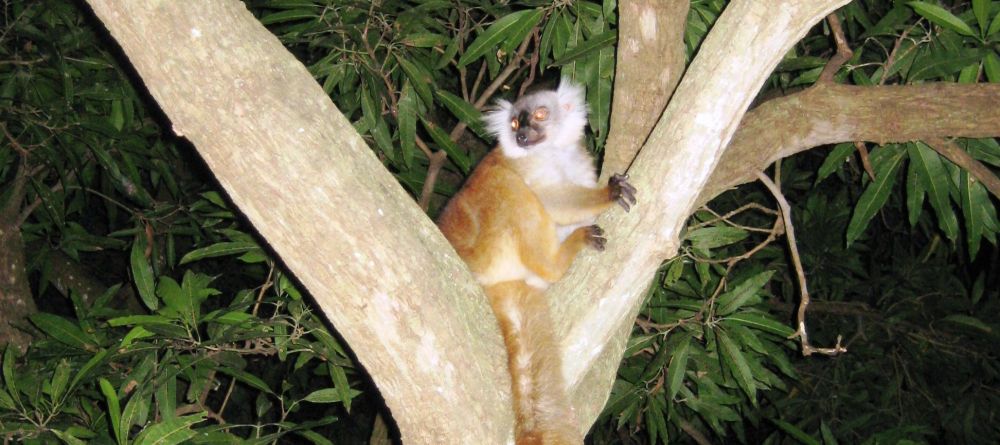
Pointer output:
x,y
514,124
541,114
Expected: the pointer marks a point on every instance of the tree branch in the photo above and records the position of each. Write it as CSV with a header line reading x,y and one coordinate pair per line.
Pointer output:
x,y
375,264
831,113
599,298
648,30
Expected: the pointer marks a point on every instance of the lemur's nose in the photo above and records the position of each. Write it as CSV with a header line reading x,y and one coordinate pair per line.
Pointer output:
x,y
521,138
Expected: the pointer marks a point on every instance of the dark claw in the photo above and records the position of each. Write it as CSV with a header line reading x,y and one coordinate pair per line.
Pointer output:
x,y
621,191
595,237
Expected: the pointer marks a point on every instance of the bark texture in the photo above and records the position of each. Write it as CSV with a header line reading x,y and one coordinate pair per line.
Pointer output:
x,y
648,30
831,113
376,265
598,299
16,302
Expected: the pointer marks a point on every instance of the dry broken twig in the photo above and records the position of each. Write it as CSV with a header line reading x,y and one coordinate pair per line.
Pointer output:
x,y
801,332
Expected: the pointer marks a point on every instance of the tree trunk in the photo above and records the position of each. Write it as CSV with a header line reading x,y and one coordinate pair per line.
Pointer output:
x,y
381,271
601,294
375,264
16,303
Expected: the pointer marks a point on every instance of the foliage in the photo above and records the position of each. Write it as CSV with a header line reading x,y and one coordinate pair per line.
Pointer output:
x,y
710,352
438,63
200,325
205,337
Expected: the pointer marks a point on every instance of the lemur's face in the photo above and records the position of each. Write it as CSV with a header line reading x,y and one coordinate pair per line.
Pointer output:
x,y
529,122
544,120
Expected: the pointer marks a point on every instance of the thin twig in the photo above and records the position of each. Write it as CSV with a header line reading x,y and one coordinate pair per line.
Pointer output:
x,y
726,218
801,332
866,162
843,54
961,158
478,81
502,77
534,64
892,55
433,169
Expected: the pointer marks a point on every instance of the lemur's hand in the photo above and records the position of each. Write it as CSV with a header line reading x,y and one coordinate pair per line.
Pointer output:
x,y
621,191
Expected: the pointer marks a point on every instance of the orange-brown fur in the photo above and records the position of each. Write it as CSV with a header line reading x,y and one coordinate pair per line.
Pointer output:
x,y
506,232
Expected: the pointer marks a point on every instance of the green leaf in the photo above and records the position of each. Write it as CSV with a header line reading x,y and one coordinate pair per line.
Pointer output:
x,y
674,273
424,40
369,110
599,97
730,301
712,237
407,121
63,331
138,319
421,80
915,194
594,44
289,16
246,377
464,111
935,179
142,274
828,437
8,372
339,377
59,381
967,200
6,401
978,288
94,361
875,195
445,143
795,432
449,54
137,409
994,26
219,249
738,364
981,9
969,321
834,160
942,17
383,139
67,438
114,409
170,431
134,334
677,367
896,18
520,31
328,395
166,396
762,323
656,421
116,118
506,29
991,66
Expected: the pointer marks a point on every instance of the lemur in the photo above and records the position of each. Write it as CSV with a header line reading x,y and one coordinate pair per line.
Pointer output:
x,y
518,222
